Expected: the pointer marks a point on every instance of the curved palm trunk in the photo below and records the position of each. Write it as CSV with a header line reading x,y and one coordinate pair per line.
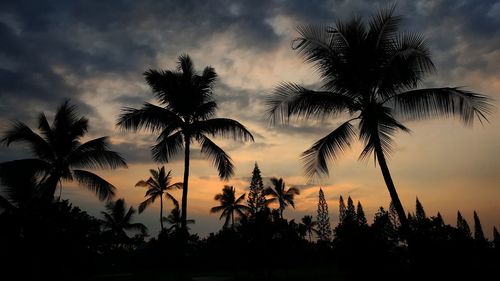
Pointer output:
x,y
185,186
232,220
161,211
48,187
392,189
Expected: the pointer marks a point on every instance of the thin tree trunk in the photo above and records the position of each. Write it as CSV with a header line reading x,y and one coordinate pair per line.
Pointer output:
x,y
392,189
232,220
60,191
185,185
48,187
161,211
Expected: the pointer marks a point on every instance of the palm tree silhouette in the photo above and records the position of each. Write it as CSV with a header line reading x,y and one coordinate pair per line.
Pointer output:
x,y
278,192
370,73
174,220
117,220
158,184
230,205
185,115
309,225
60,154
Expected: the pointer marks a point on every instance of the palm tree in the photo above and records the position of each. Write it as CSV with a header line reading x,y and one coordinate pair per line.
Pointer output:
x,y
59,154
371,73
278,192
185,115
309,225
229,205
118,220
174,219
158,184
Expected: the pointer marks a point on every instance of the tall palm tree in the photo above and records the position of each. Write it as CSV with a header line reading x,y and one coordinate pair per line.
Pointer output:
x,y
370,73
229,205
185,115
174,219
60,155
278,192
117,220
309,225
158,184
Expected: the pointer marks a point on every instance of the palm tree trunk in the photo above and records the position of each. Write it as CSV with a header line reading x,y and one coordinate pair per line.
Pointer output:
x,y
392,189
185,185
161,211
232,220
48,187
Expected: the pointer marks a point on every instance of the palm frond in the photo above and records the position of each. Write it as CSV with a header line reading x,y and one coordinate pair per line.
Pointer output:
x,y
442,102
146,203
177,185
317,45
142,183
167,146
377,129
127,218
289,99
68,122
20,132
219,158
223,127
108,220
44,126
96,154
206,110
150,117
327,148
209,77
172,198
241,198
217,209
186,65
103,189
383,27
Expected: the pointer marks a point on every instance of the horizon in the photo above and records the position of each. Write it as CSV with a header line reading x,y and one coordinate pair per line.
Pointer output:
x,y
98,64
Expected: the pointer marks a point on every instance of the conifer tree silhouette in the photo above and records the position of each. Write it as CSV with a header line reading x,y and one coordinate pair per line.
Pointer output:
x,y
323,219
419,211
360,216
256,199
463,226
342,209
478,232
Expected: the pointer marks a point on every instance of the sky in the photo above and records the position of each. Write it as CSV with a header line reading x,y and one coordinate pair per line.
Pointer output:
x,y
94,53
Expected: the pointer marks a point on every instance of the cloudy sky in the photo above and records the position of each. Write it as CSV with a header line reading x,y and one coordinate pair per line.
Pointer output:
x,y
94,53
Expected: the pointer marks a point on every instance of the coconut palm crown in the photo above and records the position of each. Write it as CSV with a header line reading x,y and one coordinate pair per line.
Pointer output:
x,y
185,115
372,74
60,155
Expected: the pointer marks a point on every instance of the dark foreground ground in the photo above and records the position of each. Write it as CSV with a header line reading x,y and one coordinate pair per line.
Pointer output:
x,y
291,274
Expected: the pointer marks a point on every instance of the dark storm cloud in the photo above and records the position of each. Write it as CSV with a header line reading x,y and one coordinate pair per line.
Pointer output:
x,y
49,48
43,42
